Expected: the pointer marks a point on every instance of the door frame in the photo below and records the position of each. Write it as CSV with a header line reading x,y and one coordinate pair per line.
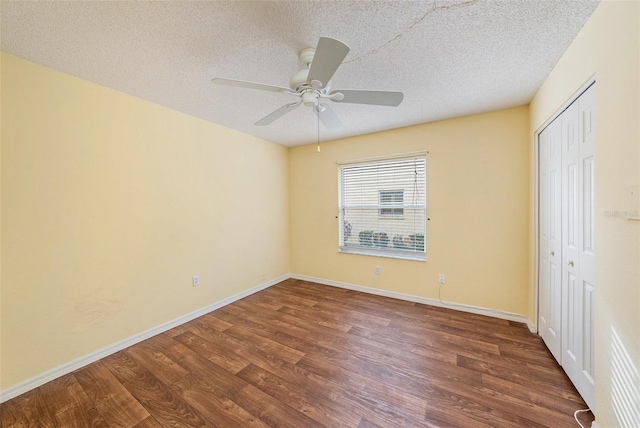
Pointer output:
x,y
536,142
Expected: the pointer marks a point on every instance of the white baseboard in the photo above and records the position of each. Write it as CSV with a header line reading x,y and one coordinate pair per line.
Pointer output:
x,y
510,316
533,328
69,367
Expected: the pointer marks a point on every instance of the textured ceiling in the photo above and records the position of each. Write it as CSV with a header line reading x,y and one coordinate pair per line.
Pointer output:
x,y
450,58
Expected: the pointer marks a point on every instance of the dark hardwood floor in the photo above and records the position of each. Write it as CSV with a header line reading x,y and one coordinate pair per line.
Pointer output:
x,y
301,354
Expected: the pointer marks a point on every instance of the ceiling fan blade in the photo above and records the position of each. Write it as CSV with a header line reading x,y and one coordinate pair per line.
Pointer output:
x,y
380,98
329,119
251,85
277,114
328,56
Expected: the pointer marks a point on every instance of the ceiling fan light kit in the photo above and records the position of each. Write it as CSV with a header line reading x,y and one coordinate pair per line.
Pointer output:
x,y
313,83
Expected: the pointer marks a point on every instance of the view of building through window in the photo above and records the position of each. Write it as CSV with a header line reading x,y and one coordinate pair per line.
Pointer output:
x,y
391,198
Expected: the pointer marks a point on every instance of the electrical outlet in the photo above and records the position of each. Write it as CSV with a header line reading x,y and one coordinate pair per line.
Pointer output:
x,y
377,270
441,278
196,280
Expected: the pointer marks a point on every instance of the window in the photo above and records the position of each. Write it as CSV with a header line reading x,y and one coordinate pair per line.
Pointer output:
x,y
389,198
382,205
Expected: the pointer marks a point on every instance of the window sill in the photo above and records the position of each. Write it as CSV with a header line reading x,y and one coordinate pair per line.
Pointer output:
x,y
390,254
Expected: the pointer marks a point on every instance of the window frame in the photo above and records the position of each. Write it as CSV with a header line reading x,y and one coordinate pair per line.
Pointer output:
x,y
415,250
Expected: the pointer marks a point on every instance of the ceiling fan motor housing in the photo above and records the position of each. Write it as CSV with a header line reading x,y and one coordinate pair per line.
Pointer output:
x,y
310,98
299,80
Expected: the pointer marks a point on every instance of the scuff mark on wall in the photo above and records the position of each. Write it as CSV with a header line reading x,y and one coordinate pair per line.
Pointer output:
x,y
93,312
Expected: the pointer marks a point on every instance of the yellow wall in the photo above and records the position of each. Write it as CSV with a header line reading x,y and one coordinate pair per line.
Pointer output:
x,y
110,204
0,228
609,47
477,199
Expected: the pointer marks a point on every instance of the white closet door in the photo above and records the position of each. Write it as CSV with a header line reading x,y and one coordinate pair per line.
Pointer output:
x,y
543,235
570,239
587,249
550,297
578,279
566,241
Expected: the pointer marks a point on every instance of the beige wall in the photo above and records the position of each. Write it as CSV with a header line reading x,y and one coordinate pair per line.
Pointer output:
x,y
110,204
609,47
477,200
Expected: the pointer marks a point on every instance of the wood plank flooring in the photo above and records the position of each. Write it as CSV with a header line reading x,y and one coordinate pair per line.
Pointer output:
x,y
301,354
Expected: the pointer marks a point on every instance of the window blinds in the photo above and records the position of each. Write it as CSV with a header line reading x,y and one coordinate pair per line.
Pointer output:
x,y
383,207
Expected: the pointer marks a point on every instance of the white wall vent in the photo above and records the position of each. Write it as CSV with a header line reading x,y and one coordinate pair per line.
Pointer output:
x,y
625,385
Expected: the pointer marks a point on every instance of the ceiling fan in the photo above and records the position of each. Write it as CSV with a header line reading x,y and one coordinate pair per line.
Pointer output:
x,y
313,83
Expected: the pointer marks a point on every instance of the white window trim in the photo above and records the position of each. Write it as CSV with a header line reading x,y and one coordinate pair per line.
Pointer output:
x,y
389,252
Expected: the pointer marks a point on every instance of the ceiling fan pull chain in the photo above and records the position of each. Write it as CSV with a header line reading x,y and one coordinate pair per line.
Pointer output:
x,y
318,107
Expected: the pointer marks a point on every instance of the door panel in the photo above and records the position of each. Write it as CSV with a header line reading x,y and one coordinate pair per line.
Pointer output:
x,y
543,231
550,301
555,241
588,345
572,283
587,224
584,378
